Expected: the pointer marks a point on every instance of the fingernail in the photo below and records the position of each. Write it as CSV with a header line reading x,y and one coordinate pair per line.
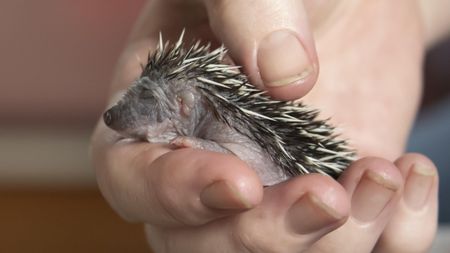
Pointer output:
x,y
282,60
372,194
222,195
310,214
418,185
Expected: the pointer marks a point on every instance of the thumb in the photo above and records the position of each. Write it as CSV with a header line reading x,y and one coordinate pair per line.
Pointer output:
x,y
271,40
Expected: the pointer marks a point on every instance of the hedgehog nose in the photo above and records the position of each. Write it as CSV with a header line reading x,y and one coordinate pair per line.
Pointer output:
x,y
108,117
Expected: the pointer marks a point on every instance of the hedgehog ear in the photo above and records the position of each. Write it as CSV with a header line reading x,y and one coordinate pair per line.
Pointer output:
x,y
186,102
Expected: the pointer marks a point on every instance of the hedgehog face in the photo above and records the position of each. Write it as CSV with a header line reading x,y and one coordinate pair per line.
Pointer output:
x,y
154,110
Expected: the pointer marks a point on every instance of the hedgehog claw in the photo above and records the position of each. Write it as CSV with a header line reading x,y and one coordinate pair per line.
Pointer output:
x,y
182,142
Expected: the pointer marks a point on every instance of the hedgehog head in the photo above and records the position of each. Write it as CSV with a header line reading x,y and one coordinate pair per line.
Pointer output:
x,y
156,109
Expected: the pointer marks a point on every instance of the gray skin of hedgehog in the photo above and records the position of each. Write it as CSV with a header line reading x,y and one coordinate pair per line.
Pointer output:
x,y
190,99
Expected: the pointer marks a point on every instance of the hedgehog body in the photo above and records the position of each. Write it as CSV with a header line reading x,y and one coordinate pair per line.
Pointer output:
x,y
189,98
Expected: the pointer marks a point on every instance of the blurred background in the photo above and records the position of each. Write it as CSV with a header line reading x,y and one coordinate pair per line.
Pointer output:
x,y
56,61
57,57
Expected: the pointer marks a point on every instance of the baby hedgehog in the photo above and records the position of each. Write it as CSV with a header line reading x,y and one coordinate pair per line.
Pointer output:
x,y
187,97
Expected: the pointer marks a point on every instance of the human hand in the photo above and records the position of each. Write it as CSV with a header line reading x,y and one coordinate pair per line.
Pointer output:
x,y
167,189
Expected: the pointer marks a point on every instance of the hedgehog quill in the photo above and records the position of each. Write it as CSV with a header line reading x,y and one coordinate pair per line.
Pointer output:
x,y
187,97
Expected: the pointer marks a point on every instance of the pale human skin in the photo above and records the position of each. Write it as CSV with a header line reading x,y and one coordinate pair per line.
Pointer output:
x,y
370,55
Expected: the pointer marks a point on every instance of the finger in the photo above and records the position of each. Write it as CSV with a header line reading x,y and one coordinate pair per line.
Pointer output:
x,y
291,216
413,226
195,187
113,160
375,187
294,214
149,183
271,39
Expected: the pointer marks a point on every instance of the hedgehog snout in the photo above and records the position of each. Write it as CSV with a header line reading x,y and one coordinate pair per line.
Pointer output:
x,y
109,117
